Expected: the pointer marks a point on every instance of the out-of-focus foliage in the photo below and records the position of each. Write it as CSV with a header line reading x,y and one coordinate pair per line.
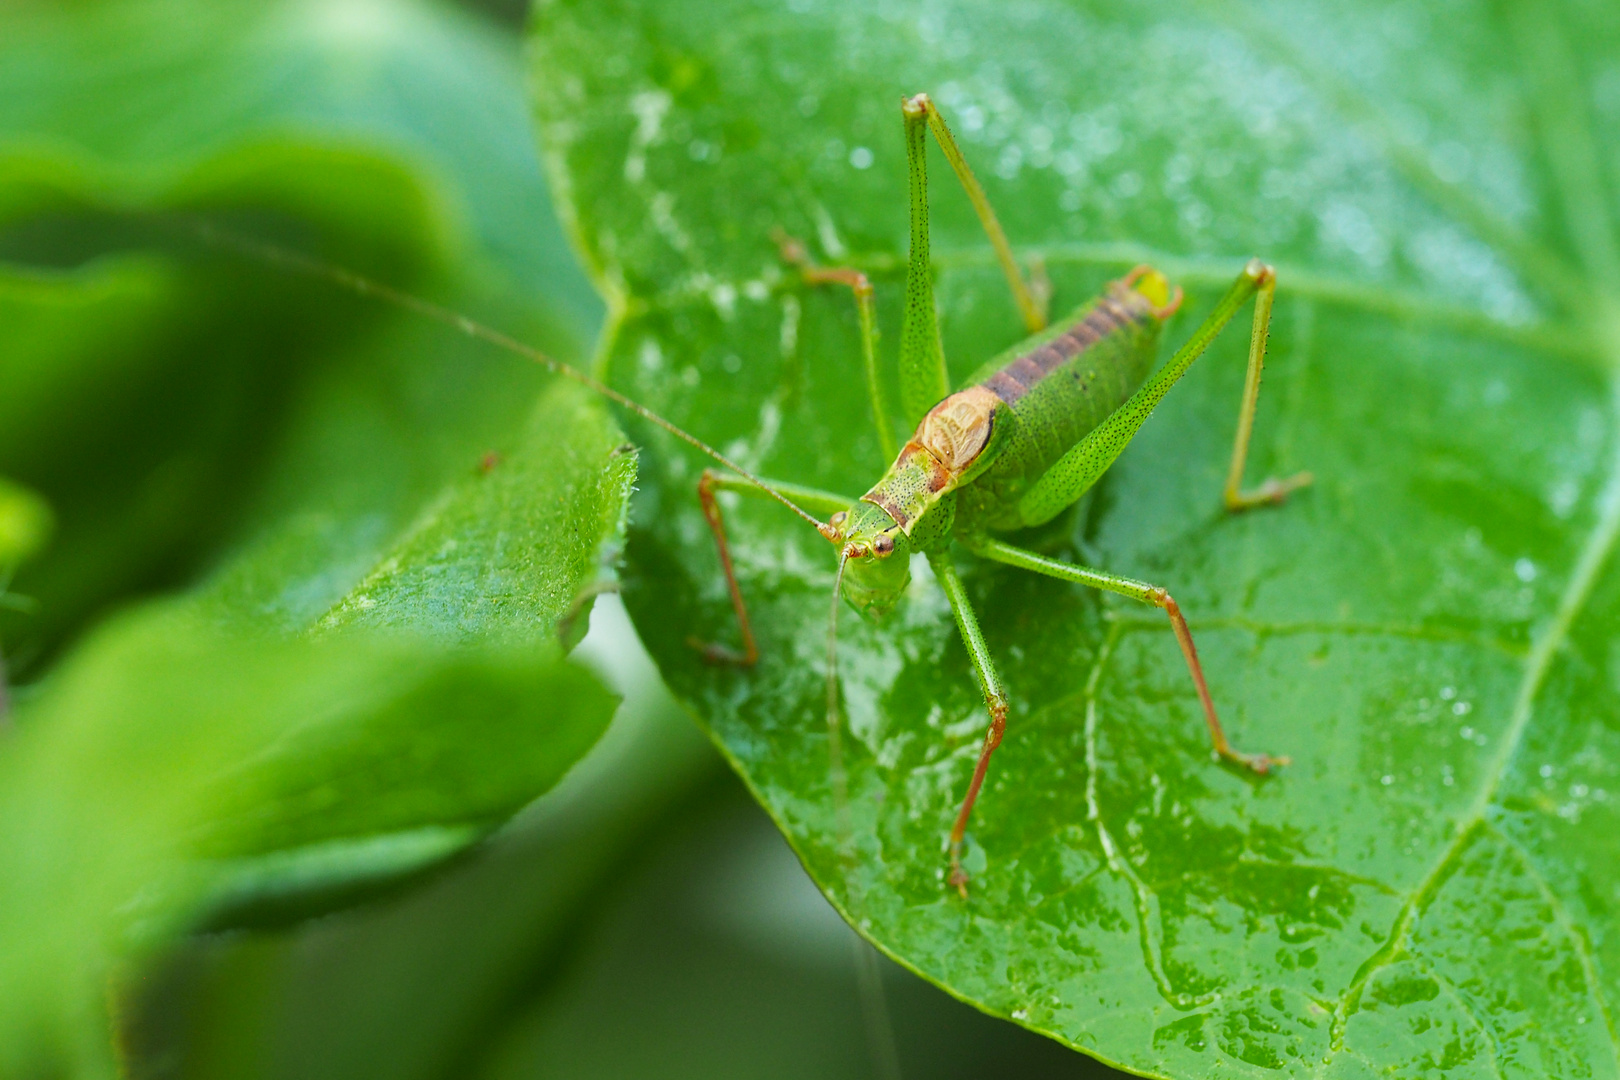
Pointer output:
x,y
376,525
25,522
1427,632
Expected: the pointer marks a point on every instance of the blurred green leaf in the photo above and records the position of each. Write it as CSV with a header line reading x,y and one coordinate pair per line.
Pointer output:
x,y
381,527
25,523
426,983
169,770
1427,632
169,399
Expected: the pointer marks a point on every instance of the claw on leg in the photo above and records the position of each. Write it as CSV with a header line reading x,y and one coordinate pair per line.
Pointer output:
x,y
1259,764
1271,492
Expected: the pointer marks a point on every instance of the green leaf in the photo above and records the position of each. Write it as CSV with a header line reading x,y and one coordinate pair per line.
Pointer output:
x,y
379,530
1431,885
137,794
25,523
241,778
170,399
426,983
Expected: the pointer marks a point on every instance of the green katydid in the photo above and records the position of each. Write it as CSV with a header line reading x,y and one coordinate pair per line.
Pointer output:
x,y
1021,440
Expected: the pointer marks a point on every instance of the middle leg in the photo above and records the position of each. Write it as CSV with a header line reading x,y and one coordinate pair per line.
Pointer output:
x,y
1272,489
794,254
1003,552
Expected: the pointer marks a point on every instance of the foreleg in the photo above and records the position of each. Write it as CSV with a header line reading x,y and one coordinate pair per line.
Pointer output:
x,y
709,485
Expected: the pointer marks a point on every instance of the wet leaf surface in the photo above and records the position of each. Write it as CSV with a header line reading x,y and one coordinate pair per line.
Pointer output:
x,y
1429,888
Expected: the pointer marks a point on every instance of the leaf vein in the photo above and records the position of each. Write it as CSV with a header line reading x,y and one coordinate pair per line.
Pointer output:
x,y
1594,554
1578,940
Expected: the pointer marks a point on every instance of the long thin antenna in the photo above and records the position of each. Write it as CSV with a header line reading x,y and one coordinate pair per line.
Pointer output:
x,y
287,259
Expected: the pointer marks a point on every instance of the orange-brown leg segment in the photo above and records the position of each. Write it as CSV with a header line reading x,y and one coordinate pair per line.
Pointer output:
x,y
710,484
795,254
995,700
713,651
1159,598
1260,763
992,739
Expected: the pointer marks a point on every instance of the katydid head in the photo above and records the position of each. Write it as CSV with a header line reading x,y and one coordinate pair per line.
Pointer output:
x,y
877,558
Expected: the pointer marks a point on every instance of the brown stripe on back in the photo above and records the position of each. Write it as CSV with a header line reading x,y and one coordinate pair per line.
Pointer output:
x,y
1080,337
1005,387
1026,370
1102,320
1051,356
1021,374
1114,311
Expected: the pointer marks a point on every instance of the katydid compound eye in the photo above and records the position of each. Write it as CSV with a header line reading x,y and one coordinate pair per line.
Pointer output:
x,y
838,519
884,544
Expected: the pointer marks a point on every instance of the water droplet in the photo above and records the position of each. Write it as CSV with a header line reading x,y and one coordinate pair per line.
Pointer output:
x,y
1461,708
1447,693
861,157
1525,570
1127,184
1011,160
1386,779
1546,772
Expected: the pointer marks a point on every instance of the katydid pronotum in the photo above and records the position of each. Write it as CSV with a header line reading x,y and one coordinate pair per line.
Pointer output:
x,y
1019,441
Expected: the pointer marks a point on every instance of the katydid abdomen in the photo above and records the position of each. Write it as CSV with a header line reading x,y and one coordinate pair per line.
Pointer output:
x,y
1057,387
